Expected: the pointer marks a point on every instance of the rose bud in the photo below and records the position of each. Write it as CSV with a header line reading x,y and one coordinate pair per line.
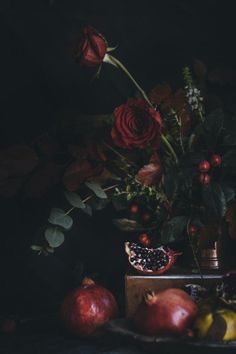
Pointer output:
x,y
91,49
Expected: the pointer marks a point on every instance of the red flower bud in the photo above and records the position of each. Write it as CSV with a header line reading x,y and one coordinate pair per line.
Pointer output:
x,y
91,48
216,160
204,166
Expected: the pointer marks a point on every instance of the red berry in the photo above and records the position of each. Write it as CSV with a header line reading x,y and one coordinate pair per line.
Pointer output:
x,y
204,178
134,208
144,240
146,217
216,160
204,166
192,229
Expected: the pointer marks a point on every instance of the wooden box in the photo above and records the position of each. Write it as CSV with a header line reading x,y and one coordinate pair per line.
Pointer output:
x,y
136,285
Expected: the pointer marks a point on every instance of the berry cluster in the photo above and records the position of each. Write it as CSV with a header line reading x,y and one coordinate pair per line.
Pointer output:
x,y
205,166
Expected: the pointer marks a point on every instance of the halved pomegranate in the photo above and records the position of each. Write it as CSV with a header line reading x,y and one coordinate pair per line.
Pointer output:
x,y
152,261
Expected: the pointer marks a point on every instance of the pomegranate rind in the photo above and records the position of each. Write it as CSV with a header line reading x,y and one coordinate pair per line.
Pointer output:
x,y
139,268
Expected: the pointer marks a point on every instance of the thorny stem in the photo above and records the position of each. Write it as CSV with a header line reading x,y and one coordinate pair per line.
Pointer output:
x,y
117,63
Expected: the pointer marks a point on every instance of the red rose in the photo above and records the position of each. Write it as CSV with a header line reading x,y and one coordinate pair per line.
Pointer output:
x,y
137,125
91,49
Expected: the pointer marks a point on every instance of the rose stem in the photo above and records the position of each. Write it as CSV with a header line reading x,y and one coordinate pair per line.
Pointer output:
x,y
117,63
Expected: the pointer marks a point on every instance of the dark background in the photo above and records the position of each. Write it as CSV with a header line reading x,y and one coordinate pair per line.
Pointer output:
x,y
39,80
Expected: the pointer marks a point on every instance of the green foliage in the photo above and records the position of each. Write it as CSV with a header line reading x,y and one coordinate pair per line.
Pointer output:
x,y
174,230
58,217
97,189
75,200
127,225
214,199
54,237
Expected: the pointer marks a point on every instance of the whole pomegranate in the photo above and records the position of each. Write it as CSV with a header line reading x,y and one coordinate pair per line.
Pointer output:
x,y
87,308
169,312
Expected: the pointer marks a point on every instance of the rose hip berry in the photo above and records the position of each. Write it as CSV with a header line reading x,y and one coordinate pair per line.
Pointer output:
x,y
134,208
146,217
204,178
216,160
144,240
204,166
192,230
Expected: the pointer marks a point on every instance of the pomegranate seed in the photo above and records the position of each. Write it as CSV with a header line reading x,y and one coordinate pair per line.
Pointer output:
x,y
204,166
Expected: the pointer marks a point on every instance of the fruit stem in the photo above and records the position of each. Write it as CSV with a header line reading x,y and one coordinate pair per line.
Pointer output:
x,y
150,296
87,282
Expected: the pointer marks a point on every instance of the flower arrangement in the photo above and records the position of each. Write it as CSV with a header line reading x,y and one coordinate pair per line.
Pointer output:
x,y
163,159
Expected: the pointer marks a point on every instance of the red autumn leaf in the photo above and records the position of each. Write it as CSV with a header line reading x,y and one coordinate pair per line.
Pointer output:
x,y
78,172
11,186
46,176
47,145
17,160
160,94
150,174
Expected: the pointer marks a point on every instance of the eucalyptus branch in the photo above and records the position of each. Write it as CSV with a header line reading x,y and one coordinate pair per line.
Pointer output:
x,y
85,200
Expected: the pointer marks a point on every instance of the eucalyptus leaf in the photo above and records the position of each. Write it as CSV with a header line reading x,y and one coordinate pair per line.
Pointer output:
x,y
97,189
75,200
214,199
174,229
228,192
97,203
88,210
59,217
213,126
127,225
54,237
36,247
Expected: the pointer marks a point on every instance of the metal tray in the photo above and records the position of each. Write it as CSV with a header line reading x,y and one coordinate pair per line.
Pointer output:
x,y
123,328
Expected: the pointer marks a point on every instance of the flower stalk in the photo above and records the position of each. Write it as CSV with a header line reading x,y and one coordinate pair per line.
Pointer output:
x,y
111,59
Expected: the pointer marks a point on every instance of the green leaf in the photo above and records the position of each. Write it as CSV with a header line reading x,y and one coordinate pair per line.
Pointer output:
x,y
58,217
54,237
127,225
88,210
213,126
228,192
74,199
214,199
119,202
97,203
36,248
229,162
174,229
97,189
